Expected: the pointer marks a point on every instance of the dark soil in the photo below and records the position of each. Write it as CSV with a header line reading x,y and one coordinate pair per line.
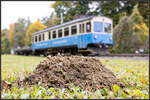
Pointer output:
x,y
85,72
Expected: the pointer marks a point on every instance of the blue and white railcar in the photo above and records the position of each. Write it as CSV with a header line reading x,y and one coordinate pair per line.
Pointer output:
x,y
83,34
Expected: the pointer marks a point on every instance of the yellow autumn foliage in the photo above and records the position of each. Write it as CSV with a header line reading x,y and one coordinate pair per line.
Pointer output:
x,y
37,26
11,35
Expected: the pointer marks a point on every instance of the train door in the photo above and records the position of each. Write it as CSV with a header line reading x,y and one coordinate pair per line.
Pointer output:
x,y
81,42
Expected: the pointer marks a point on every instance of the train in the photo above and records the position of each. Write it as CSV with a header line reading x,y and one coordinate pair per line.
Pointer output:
x,y
90,35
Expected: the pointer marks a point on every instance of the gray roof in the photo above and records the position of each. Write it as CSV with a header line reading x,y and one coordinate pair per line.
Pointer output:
x,y
64,24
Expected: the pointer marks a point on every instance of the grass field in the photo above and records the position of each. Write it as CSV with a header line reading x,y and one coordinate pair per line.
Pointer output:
x,y
134,73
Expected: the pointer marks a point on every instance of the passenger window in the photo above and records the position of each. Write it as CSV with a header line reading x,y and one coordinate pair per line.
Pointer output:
x,y
80,28
88,27
40,37
66,31
35,38
98,27
43,37
54,34
49,35
73,30
107,27
60,33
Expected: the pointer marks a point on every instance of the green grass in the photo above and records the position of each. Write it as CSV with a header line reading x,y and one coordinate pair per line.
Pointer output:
x,y
134,73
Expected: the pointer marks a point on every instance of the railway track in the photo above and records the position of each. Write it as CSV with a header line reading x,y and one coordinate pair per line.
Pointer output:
x,y
126,55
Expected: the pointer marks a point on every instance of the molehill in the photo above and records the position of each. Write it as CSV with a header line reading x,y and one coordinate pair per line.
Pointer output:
x,y
59,71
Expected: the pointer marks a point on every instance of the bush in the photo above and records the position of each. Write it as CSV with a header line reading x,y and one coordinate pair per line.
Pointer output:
x,y
131,33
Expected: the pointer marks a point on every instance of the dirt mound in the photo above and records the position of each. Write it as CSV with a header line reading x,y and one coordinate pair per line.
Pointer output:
x,y
85,72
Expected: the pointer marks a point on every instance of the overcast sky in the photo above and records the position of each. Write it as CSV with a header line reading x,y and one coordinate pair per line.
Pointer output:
x,y
12,10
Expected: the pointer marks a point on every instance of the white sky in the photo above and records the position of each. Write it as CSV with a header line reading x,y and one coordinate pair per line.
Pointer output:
x,y
12,10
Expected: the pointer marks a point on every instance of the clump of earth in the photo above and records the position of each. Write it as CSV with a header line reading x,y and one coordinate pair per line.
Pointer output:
x,y
59,71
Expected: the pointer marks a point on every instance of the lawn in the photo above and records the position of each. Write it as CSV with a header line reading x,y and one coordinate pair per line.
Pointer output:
x,y
134,73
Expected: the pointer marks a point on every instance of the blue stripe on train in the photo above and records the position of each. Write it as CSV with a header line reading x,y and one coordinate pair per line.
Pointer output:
x,y
81,41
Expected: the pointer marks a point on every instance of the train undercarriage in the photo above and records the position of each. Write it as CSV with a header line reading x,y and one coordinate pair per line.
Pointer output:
x,y
92,49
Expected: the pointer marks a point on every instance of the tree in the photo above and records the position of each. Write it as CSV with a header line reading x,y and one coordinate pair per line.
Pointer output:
x,y
139,28
116,9
20,30
5,47
62,7
37,26
71,9
49,20
11,36
144,11
131,32
122,33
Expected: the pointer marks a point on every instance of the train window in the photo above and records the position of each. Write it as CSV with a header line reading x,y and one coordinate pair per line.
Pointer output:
x,y
40,37
88,27
66,31
54,34
43,36
74,29
49,35
98,27
107,27
60,33
35,38
80,28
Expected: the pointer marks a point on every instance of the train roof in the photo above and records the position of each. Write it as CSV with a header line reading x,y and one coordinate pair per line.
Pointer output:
x,y
66,23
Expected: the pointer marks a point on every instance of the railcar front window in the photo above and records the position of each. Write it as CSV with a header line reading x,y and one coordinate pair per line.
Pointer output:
x,y
66,31
60,33
54,34
73,30
98,27
107,27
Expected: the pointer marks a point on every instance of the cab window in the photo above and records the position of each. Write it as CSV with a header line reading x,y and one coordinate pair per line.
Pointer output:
x,y
107,27
98,27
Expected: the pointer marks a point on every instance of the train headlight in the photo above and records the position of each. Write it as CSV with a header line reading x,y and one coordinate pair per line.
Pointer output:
x,y
110,38
95,37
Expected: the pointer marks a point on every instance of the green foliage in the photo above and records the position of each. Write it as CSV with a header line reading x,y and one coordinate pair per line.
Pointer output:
x,y
11,36
49,20
20,31
71,9
134,73
116,9
5,45
131,33
37,26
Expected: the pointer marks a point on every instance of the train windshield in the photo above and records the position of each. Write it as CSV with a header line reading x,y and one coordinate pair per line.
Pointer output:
x,y
102,27
98,27
107,27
